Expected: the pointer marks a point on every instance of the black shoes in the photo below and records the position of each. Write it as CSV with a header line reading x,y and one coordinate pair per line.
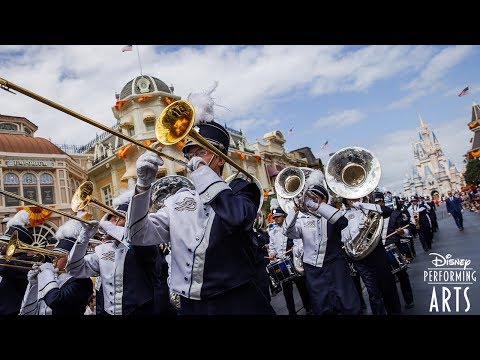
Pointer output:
x,y
409,306
461,229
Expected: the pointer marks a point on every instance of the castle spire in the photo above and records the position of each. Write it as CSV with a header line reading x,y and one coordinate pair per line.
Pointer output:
x,y
422,124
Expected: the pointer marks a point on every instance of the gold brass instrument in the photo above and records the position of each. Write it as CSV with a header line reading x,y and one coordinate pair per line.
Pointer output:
x,y
83,197
6,85
7,193
175,124
15,246
353,173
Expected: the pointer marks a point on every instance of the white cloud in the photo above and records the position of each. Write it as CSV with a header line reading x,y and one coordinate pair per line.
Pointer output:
x,y
340,119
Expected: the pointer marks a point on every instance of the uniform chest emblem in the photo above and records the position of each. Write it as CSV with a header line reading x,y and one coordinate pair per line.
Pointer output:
x,y
187,203
109,256
310,224
350,216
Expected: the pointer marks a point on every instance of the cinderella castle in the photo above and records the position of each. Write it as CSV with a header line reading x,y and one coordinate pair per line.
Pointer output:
x,y
433,174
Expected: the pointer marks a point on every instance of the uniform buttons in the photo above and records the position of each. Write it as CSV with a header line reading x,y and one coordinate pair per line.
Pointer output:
x,y
110,283
188,264
183,292
111,293
189,250
111,302
197,238
186,279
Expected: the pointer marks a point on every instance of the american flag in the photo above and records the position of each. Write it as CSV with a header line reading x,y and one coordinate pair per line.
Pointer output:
x,y
127,48
464,92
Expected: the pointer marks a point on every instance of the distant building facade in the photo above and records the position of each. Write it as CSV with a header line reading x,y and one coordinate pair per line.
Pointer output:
x,y
36,169
474,126
433,174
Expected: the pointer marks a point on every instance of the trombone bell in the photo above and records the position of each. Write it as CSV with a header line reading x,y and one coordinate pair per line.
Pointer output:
x,y
175,122
82,196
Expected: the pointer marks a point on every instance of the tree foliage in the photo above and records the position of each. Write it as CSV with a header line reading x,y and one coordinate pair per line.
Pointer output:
x,y
472,174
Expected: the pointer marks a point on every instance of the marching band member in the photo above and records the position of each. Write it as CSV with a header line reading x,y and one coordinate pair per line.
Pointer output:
x,y
51,293
374,268
210,228
278,247
127,273
262,238
393,225
421,222
14,281
327,273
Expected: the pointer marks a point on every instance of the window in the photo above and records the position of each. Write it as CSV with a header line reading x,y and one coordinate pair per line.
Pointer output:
x,y
12,184
47,191
29,182
131,131
107,195
9,127
150,125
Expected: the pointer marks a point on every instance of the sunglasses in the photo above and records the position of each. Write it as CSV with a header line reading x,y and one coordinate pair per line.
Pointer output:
x,y
199,152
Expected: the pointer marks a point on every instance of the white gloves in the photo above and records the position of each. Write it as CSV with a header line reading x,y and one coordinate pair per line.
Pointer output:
x,y
312,205
147,168
32,275
88,231
194,163
297,251
357,205
47,266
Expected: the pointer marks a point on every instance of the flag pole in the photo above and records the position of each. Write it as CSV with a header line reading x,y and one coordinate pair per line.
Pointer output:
x,y
139,62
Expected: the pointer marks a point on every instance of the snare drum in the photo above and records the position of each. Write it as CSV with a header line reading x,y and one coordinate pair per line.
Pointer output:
x,y
395,259
406,249
281,270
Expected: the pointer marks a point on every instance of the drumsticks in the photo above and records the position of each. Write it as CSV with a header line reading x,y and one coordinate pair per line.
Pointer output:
x,y
286,252
386,237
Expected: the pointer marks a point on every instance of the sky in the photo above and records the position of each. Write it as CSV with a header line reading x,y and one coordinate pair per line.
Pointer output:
x,y
367,96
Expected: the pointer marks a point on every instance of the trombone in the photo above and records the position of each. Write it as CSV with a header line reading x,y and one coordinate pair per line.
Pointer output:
x,y
15,246
174,124
83,197
7,193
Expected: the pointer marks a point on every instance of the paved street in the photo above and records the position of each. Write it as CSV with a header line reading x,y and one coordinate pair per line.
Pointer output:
x,y
448,240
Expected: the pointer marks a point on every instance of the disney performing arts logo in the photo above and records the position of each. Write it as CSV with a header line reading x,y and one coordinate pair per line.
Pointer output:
x,y
452,274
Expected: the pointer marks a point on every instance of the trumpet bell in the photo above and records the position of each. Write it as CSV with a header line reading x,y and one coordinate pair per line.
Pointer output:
x,y
289,182
82,196
353,172
175,122
15,246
